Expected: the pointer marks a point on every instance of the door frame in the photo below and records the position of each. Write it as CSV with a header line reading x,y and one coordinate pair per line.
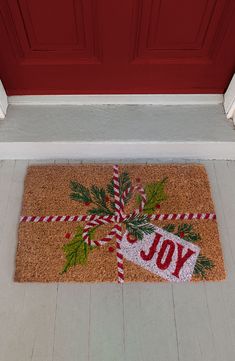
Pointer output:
x,y
229,100
3,101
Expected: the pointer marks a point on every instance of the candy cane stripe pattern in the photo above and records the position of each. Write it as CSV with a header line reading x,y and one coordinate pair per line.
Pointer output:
x,y
85,218
119,253
118,218
182,216
116,188
92,224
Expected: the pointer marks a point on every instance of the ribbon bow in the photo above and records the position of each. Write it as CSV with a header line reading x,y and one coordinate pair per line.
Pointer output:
x,y
118,219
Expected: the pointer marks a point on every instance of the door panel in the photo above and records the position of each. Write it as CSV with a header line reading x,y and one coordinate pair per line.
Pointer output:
x,y
110,46
63,31
189,34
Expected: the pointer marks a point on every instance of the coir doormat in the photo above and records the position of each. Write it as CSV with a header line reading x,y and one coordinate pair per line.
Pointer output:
x,y
118,223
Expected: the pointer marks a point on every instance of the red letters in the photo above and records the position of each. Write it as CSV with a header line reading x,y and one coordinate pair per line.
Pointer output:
x,y
165,254
171,248
152,249
181,260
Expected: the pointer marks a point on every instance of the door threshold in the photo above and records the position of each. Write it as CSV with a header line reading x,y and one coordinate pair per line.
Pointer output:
x,y
116,131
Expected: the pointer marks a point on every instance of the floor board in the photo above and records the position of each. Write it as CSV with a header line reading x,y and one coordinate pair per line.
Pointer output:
x,y
72,322
150,329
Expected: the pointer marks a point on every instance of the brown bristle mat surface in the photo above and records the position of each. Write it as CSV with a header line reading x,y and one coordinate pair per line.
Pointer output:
x,y
54,251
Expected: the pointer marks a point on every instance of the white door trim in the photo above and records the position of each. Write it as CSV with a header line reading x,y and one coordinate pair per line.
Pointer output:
x,y
229,100
156,99
3,101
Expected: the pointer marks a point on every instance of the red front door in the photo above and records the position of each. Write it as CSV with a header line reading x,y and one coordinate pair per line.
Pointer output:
x,y
116,46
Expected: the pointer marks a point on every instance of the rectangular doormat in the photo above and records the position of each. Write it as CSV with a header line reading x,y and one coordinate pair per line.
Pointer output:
x,y
118,223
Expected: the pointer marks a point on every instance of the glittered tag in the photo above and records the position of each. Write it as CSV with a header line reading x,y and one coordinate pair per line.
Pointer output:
x,y
163,254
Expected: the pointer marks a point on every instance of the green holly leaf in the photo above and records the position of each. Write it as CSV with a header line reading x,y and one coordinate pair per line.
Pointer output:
x,y
203,264
92,231
76,251
155,194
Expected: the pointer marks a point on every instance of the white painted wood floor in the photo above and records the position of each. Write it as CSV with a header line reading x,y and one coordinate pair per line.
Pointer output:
x,y
108,322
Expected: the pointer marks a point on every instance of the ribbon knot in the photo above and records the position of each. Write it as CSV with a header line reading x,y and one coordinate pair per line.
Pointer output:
x,y
119,217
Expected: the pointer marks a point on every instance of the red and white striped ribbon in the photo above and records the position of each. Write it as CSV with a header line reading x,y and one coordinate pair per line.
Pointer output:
x,y
92,224
119,253
111,219
118,218
56,218
116,188
181,216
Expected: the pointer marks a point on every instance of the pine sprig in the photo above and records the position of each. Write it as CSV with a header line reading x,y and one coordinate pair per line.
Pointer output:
x,y
79,192
184,231
124,184
110,188
188,234
139,226
203,264
99,198
169,228
98,195
76,251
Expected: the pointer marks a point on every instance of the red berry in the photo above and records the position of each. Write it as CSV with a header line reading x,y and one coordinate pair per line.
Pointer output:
x,y
158,206
67,235
87,203
181,234
111,249
106,199
137,179
131,239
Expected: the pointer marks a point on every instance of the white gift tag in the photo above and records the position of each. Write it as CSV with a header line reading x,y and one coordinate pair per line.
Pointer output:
x,y
163,254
